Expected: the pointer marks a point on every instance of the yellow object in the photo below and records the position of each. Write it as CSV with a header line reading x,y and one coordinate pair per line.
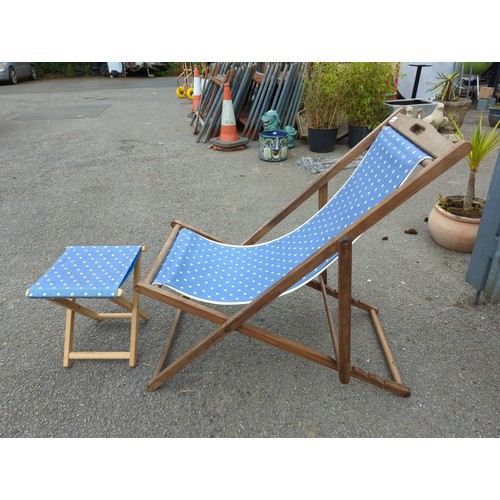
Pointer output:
x,y
185,76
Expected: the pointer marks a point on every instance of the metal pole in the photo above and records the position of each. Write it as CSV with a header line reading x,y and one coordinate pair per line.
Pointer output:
x,y
247,131
267,97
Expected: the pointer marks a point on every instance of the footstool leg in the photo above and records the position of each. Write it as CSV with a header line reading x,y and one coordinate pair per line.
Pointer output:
x,y
68,337
134,323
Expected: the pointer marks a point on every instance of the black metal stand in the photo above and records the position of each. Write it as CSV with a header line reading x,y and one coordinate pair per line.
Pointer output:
x,y
417,77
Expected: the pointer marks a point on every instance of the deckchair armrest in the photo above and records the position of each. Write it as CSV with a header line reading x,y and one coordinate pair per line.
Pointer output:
x,y
183,225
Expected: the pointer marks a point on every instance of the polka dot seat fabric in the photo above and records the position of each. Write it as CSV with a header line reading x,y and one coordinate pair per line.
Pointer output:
x,y
87,272
219,273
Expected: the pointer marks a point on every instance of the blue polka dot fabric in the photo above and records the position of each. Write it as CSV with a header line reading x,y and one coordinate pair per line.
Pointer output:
x,y
236,274
87,272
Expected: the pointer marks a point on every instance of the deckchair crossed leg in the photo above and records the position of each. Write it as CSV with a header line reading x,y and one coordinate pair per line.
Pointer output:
x,y
338,360
342,341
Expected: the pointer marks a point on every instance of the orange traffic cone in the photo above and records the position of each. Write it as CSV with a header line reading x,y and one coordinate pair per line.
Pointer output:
x,y
229,140
197,90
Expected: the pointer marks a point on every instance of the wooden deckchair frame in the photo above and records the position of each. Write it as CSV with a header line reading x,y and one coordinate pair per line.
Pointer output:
x,y
444,154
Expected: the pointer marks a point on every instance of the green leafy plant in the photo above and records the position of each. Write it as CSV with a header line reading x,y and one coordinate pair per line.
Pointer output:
x,y
447,86
324,94
484,142
369,85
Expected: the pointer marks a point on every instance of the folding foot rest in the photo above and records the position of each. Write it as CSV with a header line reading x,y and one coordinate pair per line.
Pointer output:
x,y
93,272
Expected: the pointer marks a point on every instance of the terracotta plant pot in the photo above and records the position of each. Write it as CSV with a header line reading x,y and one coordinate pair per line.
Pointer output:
x,y
453,231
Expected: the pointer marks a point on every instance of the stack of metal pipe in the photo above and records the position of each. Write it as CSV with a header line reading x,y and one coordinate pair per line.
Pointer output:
x,y
255,89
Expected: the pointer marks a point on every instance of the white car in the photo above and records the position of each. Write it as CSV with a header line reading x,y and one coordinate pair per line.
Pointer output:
x,y
13,71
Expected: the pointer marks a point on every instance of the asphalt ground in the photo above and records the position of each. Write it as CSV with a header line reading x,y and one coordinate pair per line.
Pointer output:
x,y
95,161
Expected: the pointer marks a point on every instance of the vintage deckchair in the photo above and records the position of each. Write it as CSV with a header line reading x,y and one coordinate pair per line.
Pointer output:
x,y
195,268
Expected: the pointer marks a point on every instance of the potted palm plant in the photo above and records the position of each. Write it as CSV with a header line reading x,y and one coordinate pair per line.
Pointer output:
x,y
448,92
370,85
324,94
454,220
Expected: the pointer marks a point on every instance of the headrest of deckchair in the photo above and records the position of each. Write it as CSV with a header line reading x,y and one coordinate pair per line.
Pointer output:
x,y
422,134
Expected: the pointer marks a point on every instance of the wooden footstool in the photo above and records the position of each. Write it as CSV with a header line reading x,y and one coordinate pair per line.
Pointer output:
x,y
93,272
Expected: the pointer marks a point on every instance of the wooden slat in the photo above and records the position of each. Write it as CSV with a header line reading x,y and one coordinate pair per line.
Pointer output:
x,y
99,355
360,304
329,317
162,255
127,304
168,342
183,225
73,306
113,315
385,347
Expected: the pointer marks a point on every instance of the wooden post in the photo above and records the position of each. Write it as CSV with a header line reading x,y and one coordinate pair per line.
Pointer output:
x,y
345,296
168,342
